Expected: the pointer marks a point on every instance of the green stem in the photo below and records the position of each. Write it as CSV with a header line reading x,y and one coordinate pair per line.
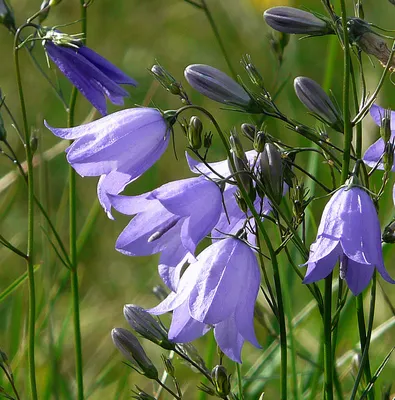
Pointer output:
x,y
218,37
30,230
239,381
328,338
73,237
346,96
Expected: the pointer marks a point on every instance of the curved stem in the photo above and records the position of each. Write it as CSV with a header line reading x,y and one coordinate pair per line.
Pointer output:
x,y
73,237
30,229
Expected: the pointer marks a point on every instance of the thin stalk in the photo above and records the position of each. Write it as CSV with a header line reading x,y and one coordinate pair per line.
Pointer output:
x,y
368,337
168,389
239,381
328,360
346,96
30,229
218,37
73,237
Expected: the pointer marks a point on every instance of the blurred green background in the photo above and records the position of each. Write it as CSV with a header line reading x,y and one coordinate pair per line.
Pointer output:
x,y
133,34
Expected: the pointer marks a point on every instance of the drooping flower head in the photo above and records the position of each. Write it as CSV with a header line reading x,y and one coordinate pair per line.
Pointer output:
x,y
94,76
349,231
119,148
374,154
219,290
170,220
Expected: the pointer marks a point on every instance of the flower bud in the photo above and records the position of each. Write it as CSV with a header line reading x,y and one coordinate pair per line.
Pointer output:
x,y
166,79
208,140
260,141
385,127
388,157
34,144
271,171
249,130
216,85
236,146
314,98
130,347
252,71
7,16
221,380
194,133
389,233
169,367
293,20
146,325
361,34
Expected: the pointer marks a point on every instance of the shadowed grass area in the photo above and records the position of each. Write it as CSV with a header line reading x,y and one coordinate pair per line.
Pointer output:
x,y
132,34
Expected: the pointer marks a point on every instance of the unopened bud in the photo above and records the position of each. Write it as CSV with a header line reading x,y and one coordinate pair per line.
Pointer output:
x,y
278,41
169,367
252,71
194,133
208,140
249,130
166,80
388,156
217,86
221,380
130,347
260,141
385,127
293,20
314,98
147,326
271,171
7,16
389,233
236,146
361,34
241,202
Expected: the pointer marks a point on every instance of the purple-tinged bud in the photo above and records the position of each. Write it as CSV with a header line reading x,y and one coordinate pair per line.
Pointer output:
x,y
130,347
194,133
272,172
293,20
385,127
260,141
7,16
216,85
166,80
147,326
314,98
249,130
389,233
221,380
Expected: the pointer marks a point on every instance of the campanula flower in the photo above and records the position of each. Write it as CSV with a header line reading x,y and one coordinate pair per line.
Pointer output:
x,y
119,148
375,152
349,231
170,220
219,290
94,76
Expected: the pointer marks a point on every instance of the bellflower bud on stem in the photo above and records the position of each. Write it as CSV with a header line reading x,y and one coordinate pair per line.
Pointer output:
x,y
385,127
166,80
260,141
313,97
218,86
130,347
147,326
272,172
194,133
249,130
221,380
293,20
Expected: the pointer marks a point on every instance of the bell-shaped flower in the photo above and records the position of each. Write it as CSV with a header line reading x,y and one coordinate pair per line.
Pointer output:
x,y
218,290
119,148
94,76
170,220
232,218
374,154
350,231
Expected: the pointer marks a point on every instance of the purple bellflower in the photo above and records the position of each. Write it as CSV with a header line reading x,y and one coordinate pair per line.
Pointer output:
x,y
94,76
350,231
171,220
119,148
219,290
375,152
233,218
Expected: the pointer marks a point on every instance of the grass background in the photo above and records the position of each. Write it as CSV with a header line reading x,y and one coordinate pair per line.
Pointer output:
x,y
133,34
